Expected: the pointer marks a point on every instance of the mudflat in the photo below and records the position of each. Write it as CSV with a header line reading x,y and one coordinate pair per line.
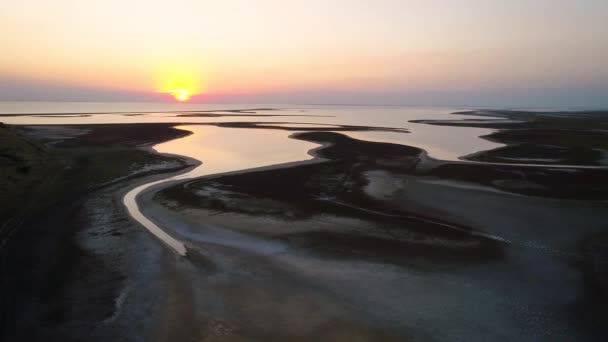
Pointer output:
x,y
365,241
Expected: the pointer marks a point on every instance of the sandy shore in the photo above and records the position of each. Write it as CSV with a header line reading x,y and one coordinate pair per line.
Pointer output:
x,y
370,241
68,257
374,216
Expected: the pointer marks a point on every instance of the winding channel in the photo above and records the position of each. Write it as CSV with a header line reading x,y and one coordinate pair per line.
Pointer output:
x,y
130,202
230,150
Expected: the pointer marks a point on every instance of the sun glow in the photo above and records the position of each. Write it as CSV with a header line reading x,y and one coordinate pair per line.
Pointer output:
x,y
180,79
181,95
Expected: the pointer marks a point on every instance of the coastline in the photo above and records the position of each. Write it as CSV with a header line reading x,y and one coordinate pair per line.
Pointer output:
x,y
289,219
35,285
310,238
134,205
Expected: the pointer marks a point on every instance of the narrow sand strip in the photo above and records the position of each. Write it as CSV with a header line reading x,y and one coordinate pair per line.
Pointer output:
x,y
130,201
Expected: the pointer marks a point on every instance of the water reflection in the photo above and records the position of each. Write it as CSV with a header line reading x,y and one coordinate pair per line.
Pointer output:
x,y
440,142
232,149
220,151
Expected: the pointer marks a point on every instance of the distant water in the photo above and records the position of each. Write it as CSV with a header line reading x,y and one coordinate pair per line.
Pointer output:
x,y
26,107
448,143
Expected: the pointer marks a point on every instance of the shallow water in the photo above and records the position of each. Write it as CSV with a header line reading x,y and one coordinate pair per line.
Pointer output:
x,y
220,150
447,143
527,294
231,149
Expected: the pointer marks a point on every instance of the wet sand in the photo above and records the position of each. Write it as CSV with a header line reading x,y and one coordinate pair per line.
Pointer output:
x,y
71,247
371,241
503,262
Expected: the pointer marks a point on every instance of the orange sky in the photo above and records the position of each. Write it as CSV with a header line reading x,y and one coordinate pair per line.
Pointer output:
x,y
273,47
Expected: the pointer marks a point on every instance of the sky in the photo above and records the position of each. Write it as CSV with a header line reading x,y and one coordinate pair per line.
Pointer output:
x,y
517,53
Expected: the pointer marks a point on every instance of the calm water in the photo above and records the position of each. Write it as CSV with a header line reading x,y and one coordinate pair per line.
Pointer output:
x,y
220,150
448,143
513,298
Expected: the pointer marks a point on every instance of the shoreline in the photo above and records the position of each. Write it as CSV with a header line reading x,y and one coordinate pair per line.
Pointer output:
x,y
329,255
156,185
35,285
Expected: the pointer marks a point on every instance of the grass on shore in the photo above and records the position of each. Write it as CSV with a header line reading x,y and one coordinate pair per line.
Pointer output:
x,y
38,172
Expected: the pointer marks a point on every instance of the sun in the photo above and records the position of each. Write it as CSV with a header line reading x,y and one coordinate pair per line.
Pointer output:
x,y
180,78
181,95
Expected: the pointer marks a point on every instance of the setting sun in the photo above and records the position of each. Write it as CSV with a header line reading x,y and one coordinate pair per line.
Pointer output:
x,y
181,95
180,78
